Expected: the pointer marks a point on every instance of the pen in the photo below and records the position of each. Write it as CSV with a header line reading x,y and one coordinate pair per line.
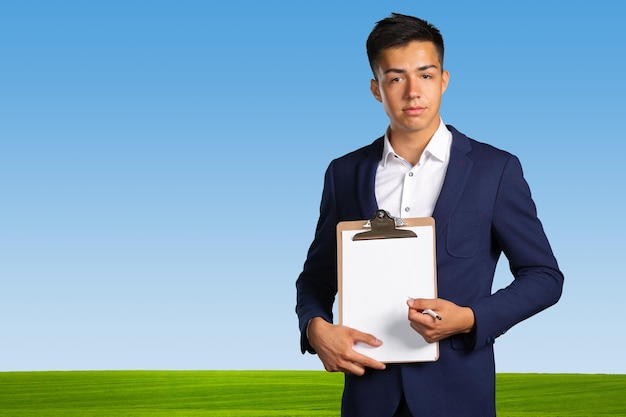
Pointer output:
x,y
430,312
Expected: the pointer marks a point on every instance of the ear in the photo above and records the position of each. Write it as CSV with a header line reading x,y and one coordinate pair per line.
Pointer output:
x,y
445,79
375,90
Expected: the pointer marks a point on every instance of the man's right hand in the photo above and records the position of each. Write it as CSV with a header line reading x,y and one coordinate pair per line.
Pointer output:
x,y
333,344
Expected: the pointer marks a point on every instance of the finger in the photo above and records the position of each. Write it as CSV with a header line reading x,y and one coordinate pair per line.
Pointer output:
x,y
353,368
429,335
367,338
417,316
345,366
362,359
421,303
351,362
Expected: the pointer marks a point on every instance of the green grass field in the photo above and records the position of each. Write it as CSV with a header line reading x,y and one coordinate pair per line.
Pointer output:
x,y
271,393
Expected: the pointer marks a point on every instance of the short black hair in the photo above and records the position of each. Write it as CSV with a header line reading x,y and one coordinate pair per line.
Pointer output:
x,y
398,30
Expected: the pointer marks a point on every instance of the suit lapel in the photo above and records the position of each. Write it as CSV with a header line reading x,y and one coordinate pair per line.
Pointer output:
x,y
366,178
459,169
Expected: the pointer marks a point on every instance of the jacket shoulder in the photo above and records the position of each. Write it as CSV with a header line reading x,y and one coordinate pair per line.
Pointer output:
x,y
475,148
373,149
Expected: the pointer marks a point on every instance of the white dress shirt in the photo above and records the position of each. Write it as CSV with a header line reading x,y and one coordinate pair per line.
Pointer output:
x,y
407,191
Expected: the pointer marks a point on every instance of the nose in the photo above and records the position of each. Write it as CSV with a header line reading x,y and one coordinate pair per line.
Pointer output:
x,y
413,88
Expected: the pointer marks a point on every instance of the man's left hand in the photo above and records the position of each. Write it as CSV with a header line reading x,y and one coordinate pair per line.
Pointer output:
x,y
454,319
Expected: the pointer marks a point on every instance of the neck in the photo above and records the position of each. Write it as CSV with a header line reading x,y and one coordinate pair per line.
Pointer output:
x,y
410,145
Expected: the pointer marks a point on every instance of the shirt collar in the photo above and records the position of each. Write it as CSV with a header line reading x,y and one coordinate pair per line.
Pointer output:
x,y
438,146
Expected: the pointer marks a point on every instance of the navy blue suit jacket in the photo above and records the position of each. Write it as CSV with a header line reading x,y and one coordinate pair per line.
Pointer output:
x,y
484,209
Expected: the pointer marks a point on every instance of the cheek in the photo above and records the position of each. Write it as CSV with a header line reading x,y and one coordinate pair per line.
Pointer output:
x,y
435,93
392,97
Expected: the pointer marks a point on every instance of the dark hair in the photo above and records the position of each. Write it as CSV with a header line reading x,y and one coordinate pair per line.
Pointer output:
x,y
398,30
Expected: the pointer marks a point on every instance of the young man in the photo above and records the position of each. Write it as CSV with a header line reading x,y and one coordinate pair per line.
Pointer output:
x,y
482,207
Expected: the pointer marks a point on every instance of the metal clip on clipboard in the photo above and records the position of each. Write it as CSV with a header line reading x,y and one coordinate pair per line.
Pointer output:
x,y
383,227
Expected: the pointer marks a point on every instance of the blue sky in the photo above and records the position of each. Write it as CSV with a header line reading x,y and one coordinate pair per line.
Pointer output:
x,y
161,165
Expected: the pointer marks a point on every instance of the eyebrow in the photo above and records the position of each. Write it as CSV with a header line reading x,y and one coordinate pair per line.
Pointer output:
x,y
402,71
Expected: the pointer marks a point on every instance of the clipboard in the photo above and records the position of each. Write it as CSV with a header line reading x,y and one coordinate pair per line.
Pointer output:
x,y
378,270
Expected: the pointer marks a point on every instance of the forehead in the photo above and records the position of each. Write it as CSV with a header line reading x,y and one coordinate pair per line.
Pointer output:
x,y
415,54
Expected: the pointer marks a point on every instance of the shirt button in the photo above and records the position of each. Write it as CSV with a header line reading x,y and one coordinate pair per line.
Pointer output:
x,y
410,174
407,209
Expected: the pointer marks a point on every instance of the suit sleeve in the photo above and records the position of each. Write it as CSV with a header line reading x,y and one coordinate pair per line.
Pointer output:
x,y
317,284
518,232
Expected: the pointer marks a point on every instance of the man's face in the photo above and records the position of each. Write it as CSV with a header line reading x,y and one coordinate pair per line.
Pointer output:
x,y
410,85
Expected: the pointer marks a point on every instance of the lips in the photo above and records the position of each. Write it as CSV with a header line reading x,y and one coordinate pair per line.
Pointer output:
x,y
414,110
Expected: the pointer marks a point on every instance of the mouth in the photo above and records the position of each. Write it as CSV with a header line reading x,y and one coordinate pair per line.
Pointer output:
x,y
414,110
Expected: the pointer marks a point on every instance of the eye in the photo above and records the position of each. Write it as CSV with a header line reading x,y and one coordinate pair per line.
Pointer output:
x,y
427,76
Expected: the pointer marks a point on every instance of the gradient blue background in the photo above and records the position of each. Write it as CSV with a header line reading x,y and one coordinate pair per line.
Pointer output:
x,y
161,166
